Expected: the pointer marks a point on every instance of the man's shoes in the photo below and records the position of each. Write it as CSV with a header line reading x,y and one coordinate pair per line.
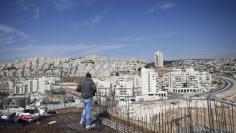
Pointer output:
x,y
90,126
83,124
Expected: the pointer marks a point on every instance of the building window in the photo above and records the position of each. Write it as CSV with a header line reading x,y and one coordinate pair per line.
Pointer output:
x,y
31,86
26,89
17,89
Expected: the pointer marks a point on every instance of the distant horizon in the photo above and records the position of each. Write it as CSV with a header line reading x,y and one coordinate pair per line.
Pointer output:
x,y
146,61
125,29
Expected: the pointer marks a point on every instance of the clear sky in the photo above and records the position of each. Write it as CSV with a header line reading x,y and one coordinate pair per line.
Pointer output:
x,y
117,28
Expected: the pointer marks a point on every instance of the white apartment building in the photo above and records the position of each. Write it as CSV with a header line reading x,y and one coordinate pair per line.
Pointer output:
x,y
31,85
45,83
175,78
137,84
20,88
104,90
158,58
205,79
133,87
192,78
124,87
151,85
188,82
103,87
149,80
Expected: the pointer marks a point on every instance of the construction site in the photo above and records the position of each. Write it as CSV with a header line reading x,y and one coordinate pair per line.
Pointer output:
x,y
210,117
198,116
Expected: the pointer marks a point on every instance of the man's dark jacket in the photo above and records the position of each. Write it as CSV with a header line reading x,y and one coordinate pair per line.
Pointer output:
x,y
87,88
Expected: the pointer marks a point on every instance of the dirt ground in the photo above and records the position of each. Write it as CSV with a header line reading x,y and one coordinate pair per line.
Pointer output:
x,y
67,121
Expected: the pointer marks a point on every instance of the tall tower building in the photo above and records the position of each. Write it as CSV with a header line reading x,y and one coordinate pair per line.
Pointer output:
x,y
158,57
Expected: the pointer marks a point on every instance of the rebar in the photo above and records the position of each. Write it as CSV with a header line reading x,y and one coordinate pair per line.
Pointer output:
x,y
215,116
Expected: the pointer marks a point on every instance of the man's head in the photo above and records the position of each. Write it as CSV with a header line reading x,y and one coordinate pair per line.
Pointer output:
x,y
88,75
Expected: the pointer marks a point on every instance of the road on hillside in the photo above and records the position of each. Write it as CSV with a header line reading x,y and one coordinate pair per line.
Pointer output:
x,y
225,90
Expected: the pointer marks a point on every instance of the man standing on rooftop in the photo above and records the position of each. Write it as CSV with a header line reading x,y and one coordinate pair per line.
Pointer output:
x,y
88,89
